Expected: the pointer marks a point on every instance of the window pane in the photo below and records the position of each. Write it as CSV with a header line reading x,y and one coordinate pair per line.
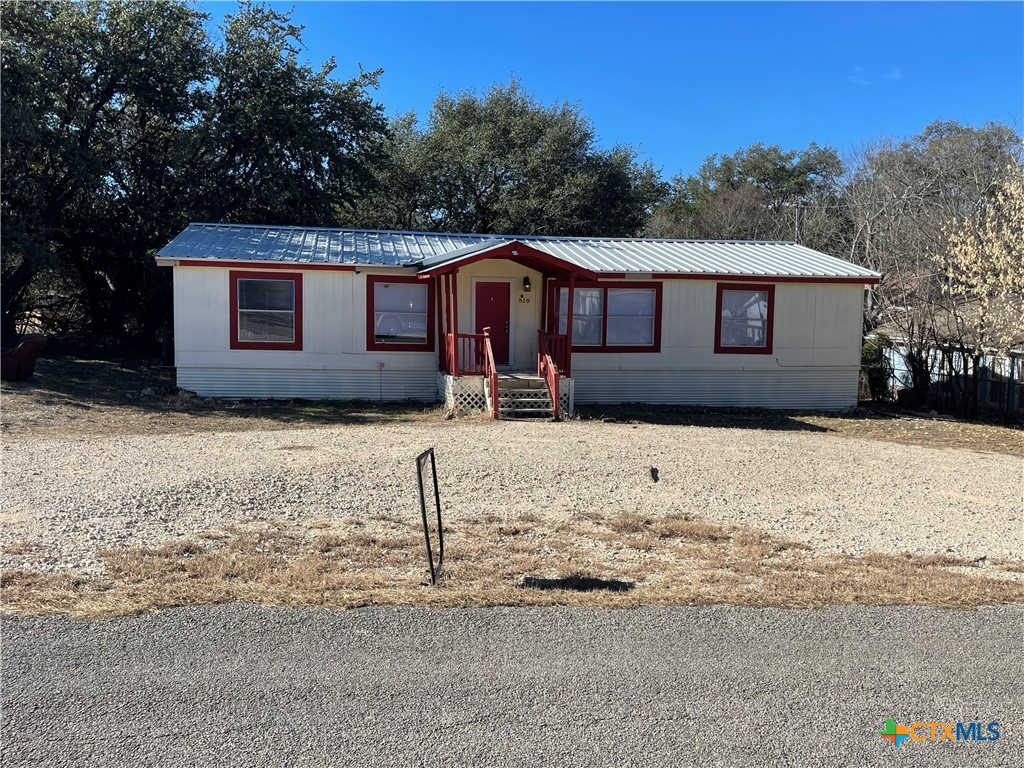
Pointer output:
x,y
631,331
630,302
400,313
744,318
266,326
275,295
586,320
631,316
400,297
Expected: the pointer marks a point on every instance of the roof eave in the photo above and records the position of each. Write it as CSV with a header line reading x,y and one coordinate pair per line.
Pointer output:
x,y
513,250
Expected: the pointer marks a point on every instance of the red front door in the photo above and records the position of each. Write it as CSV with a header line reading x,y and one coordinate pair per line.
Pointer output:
x,y
492,311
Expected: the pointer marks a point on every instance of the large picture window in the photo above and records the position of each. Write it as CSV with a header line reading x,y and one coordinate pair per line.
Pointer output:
x,y
744,319
266,310
621,317
400,314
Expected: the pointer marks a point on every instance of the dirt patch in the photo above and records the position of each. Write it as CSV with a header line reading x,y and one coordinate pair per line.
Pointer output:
x,y
78,398
75,397
615,562
864,423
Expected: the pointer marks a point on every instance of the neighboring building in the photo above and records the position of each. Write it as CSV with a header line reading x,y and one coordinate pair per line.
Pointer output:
x,y
999,380
290,312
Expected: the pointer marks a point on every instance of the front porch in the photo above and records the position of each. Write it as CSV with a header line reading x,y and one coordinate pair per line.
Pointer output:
x,y
499,346
520,395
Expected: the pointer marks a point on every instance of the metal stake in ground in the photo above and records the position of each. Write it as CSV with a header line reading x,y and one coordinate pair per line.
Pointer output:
x,y
421,470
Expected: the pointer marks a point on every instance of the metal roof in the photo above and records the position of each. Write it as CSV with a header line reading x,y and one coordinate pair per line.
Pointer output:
x,y
305,245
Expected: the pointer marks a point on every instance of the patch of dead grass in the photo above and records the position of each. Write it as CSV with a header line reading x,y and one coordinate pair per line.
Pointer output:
x,y
669,560
23,547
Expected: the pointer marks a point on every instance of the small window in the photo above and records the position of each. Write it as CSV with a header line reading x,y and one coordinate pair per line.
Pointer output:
x,y
744,319
623,317
587,313
399,314
266,310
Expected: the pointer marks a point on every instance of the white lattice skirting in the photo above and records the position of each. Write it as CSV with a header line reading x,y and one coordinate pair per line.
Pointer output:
x,y
565,395
465,394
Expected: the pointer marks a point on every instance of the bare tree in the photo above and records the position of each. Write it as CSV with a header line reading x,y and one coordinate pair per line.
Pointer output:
x,y
900,197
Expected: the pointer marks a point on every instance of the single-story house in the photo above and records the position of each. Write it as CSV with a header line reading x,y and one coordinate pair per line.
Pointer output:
x,y
486,321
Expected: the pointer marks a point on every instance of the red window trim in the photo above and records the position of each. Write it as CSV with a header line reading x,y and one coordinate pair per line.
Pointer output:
x,y
262,265
773,278
604,285
371,343
720,349
296,279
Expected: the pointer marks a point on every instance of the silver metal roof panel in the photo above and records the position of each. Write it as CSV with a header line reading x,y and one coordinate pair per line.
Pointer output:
x,y
310,245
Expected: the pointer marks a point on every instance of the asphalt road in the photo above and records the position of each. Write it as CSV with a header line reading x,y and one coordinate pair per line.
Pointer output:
x,y
246,686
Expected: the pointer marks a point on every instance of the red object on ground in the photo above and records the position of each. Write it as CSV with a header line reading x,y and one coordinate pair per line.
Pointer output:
x,y
18,363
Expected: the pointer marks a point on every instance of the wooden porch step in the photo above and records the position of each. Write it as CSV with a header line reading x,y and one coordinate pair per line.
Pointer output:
x,y
523,397
510,384
525,394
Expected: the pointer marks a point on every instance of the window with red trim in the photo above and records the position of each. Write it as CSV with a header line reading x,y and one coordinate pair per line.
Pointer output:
x,y
612,317
266,310
399,314
744,319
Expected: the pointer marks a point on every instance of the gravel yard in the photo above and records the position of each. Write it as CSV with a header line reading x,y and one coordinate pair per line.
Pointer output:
x,y
65,499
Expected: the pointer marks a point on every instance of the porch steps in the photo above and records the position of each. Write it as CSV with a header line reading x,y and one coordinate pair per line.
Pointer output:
x,y
523,397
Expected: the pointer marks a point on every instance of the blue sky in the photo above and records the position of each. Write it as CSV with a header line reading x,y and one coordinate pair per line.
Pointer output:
x,y
680,81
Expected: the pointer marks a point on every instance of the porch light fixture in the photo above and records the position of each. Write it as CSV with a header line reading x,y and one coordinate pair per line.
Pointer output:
x,y
527,285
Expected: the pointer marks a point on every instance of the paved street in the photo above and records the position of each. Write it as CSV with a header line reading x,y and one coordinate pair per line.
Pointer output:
x,y
246,686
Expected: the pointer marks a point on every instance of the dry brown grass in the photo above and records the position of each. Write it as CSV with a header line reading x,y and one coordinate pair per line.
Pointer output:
x,y
670,560
23,547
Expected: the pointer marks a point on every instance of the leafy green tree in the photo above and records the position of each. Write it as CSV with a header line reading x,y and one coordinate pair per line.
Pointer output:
x,y
122,121
288,144
505,163
75,77
87,87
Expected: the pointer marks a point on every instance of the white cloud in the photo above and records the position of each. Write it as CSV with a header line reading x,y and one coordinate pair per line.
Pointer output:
x,y
894,74
859,76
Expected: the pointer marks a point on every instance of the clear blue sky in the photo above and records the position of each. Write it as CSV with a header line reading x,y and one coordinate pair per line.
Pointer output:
x,y
680,81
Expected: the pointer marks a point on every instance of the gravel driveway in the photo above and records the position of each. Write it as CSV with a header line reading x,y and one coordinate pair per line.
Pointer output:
x,y
69,497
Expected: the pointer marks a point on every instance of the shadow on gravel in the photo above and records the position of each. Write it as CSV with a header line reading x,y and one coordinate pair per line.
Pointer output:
x,y
691,416
579,584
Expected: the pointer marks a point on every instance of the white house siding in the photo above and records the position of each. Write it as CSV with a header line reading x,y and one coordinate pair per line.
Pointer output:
x,y
815,360
333,363
814,364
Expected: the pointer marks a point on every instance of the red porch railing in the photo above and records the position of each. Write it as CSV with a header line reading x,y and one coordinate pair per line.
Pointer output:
x,y
547,368
558,347
491,372
465,354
